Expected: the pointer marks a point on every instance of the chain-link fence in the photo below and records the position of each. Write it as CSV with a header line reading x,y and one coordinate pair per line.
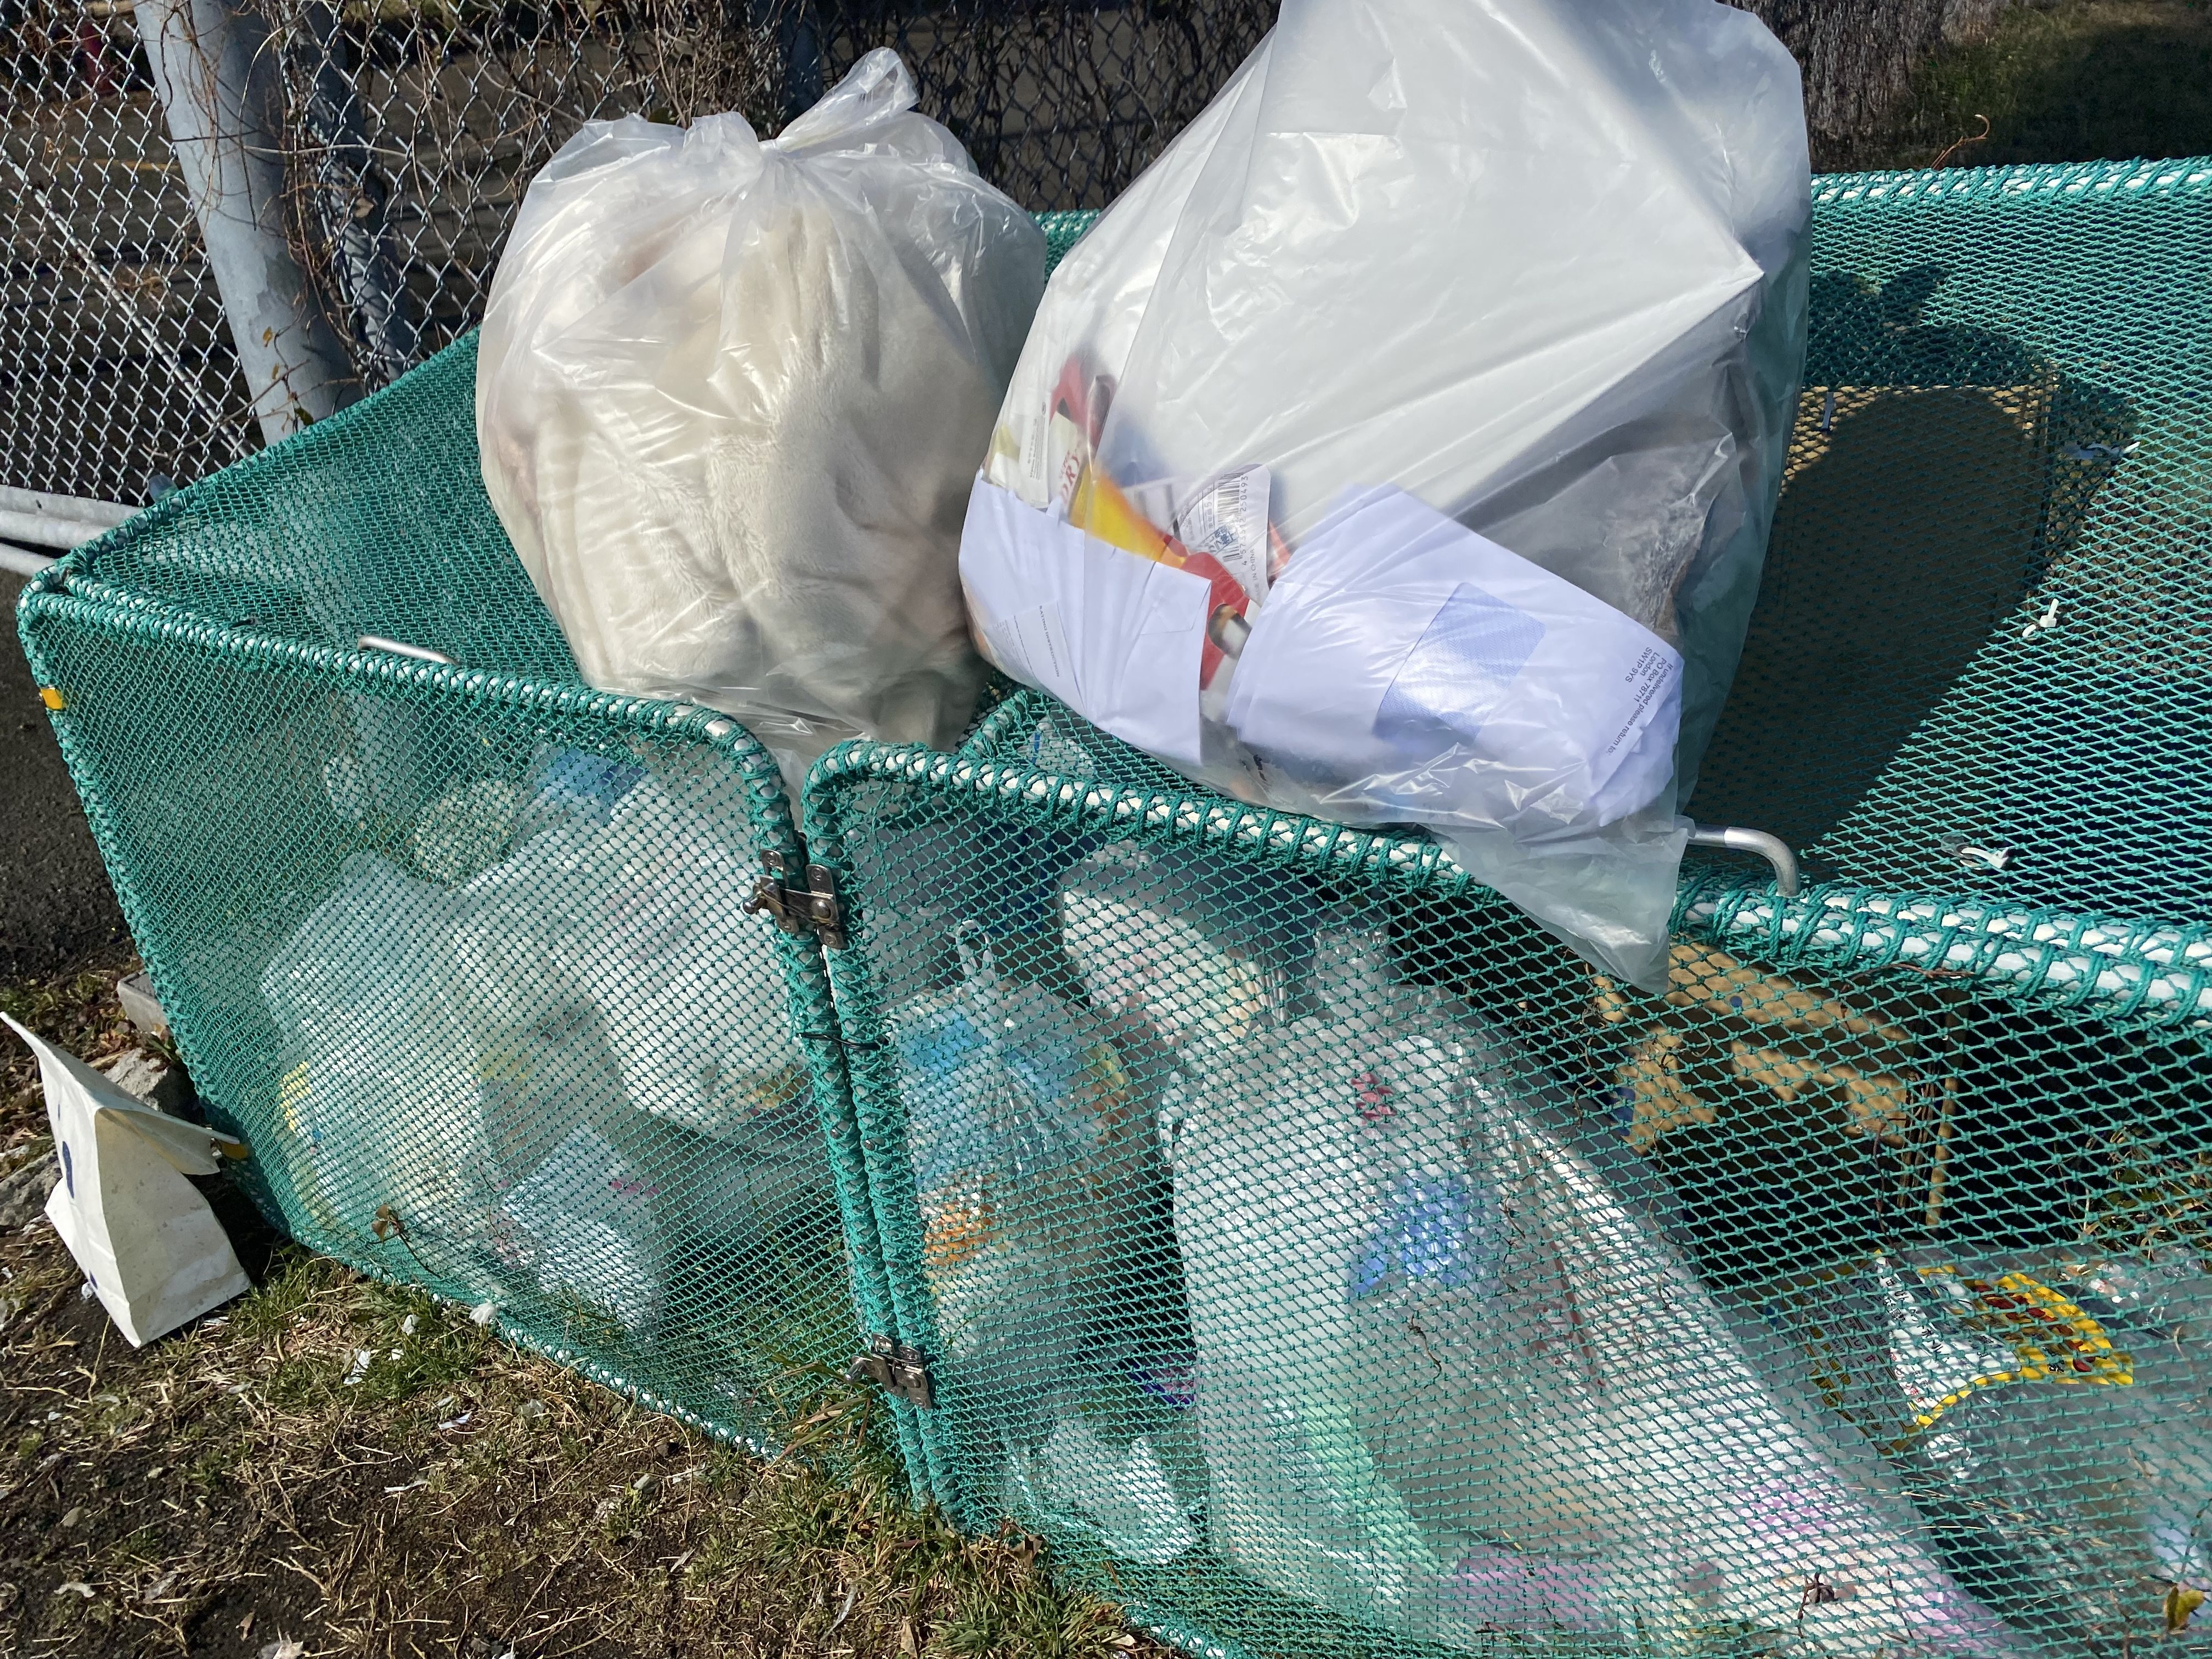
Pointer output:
x,y
410,128
116,366
414,131
409,133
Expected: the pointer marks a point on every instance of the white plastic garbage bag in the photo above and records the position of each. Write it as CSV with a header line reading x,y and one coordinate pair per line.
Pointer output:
x,y
593,1239
731,395
1025,1146
2048,1404
1203,949
1452,1379
147,1240
1403,444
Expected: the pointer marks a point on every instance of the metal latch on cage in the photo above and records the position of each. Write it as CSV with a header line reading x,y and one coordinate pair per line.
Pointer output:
x,y
812,909
895,1369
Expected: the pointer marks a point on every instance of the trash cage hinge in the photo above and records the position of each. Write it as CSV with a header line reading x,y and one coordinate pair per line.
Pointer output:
x,y
895,1369
813,909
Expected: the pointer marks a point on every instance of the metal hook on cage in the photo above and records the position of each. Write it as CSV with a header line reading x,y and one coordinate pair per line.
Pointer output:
x,y
1772,849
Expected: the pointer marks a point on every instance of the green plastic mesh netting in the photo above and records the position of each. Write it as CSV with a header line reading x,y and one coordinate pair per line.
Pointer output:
x,y
462,952
461,947
1325,1260
1318,1254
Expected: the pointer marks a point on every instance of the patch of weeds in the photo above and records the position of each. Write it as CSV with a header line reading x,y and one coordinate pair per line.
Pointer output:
x,y
281,1299
2078,80
621,1513
1030,1620
78,1010
211,1469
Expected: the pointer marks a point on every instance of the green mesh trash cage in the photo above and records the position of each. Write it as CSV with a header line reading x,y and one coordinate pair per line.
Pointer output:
x,y
466,951
1326,1260
1982,655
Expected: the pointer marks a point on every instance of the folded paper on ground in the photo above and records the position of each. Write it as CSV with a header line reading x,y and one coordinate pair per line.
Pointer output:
x,y
147,1240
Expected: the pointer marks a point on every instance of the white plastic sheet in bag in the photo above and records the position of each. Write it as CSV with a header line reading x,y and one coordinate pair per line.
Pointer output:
x,y
147,1240
593,1237
1203,951
382,1094
1452,1379
731,395
634,928
1499,308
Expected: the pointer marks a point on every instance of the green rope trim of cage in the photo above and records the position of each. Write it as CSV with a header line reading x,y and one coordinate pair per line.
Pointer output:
x,y
1009,711
1177,1632
51,580
2137,973
92,604
2184,176
880,1108
1051,801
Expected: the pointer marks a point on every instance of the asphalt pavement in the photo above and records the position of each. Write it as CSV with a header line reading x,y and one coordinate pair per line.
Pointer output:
x,y
56,906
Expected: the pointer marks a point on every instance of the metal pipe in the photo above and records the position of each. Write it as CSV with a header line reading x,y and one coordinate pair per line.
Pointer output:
x,y
2106,965
371,289
401,649
46,530
212,71
31,517
1772,849
106,514
38,519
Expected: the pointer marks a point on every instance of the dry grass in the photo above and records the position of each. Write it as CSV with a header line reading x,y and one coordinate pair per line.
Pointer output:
x,y
358,1469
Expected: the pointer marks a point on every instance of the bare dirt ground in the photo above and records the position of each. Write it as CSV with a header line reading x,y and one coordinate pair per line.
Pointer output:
x,y
55,902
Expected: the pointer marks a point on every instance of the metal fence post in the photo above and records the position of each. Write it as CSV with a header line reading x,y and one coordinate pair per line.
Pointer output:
x,y
372,293
213,77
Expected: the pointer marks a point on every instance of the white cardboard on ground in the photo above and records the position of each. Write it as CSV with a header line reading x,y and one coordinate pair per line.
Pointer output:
x,y
146,1239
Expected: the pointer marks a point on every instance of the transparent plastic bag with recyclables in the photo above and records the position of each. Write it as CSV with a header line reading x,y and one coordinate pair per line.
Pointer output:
x,y
1454,1380
1401,447
731,395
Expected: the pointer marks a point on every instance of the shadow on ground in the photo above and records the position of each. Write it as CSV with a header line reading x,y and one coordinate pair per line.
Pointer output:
x,y
56,906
